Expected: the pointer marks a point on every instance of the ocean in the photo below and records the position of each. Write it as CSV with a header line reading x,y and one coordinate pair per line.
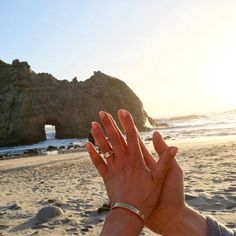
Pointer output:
x,y
179,129
199,126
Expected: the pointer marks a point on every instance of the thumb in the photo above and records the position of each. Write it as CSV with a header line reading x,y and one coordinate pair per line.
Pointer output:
x,y
163,164
159,143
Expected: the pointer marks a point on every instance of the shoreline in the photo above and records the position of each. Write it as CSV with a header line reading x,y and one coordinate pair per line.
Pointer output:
x,y
38,153
82,152
32,161
75,149
202,140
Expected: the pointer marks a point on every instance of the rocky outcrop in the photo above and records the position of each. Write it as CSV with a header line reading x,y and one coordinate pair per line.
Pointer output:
x,y
29,100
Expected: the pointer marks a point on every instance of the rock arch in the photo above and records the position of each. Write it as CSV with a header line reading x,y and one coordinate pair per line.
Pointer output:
x,y
58,127
28,101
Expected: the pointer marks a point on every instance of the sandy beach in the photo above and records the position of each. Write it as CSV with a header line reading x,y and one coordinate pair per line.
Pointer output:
x,y
70,182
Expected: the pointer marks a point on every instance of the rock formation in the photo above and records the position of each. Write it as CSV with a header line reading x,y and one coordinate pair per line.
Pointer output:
x,y
29,101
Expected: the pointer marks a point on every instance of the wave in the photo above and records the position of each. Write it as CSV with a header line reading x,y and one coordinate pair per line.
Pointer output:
x,y
187,117
180,128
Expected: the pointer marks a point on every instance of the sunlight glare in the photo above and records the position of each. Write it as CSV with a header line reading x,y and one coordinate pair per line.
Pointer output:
x,y
221,80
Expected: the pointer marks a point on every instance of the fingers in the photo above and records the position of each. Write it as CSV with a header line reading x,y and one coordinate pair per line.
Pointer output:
x,y
158,142
162,166
122,139
131,132
99,137
97,160
101,140
148,158
112,133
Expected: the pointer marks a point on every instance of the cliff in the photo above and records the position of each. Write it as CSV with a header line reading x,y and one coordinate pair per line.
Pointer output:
x,y
29,100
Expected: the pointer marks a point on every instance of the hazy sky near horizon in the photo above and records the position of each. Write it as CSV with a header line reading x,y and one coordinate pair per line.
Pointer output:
x,y
179,57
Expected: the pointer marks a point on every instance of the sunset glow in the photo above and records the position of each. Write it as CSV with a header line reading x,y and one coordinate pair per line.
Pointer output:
x,y
178,57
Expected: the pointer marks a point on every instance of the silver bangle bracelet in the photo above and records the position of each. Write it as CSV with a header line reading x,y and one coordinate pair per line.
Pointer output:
x,y
130,208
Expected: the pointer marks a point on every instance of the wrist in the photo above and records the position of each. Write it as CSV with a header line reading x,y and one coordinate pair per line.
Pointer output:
x,y
188,222
122,221
129,207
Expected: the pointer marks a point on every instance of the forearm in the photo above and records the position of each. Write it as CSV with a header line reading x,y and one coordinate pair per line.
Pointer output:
x,y
188,222
120,221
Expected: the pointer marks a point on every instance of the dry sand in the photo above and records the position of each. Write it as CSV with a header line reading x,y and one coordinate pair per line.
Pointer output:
x,y
71,182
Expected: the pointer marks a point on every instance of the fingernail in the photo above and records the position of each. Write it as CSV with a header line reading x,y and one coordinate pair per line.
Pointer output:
x,y
102,114
94,125
125,113
173,151
120,112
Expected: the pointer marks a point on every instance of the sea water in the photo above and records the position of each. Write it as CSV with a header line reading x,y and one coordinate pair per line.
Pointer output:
x,y
179,129
207,125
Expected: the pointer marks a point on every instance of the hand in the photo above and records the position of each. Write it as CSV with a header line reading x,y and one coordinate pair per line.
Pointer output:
x,y
171,202
126,176
172,216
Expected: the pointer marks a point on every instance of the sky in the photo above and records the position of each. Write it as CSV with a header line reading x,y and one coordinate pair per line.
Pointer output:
x,y
178,56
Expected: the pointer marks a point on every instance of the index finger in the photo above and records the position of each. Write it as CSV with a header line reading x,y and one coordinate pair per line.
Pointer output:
x,y
158,143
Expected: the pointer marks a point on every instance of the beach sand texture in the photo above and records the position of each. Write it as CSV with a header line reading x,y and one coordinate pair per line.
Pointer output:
x,y
70,182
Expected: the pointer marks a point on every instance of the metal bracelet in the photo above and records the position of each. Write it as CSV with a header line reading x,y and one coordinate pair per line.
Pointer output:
x,y
130,208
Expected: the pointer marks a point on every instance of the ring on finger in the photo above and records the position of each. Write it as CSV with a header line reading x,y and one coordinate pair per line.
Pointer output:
x,y
107,154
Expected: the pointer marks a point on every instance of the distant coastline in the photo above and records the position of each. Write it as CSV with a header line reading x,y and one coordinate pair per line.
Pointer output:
x,y
179,129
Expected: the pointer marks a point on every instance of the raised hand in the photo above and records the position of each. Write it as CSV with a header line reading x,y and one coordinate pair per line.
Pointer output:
x,y
171,203
125,173
172,216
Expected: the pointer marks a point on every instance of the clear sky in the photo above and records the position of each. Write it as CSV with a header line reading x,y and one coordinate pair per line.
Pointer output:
x,y
179,57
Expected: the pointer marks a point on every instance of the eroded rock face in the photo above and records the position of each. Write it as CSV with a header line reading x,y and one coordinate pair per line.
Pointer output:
x,y
28,101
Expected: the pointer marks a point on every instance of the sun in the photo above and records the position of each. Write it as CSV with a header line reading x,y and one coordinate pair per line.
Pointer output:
x,y
221,80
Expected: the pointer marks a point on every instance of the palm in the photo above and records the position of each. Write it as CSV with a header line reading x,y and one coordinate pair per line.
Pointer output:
x,y
171,200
